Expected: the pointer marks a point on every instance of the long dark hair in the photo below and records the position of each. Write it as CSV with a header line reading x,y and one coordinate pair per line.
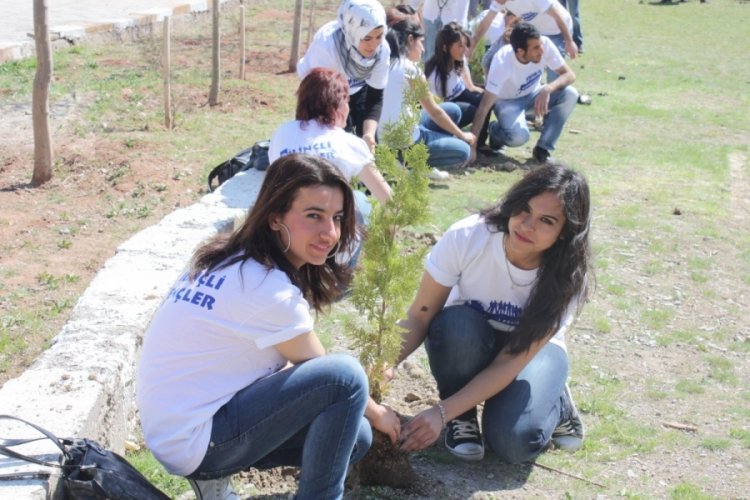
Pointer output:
x,y
441,61
256,240
403,21
565,266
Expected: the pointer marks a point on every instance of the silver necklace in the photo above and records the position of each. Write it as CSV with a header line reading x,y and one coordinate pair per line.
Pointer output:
x,y
510,274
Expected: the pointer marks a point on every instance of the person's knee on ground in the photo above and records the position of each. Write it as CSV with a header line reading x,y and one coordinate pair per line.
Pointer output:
x,y
514,444
517,136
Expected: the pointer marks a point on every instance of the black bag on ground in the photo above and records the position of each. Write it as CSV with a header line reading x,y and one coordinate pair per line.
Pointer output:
x,y
89,471
255,157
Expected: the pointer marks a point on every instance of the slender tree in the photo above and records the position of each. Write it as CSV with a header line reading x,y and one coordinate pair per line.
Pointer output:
x,y
388,278
213,95
40,97
296,35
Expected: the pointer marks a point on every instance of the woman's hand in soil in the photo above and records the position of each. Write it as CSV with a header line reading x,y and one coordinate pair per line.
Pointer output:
x,y
389,374
422,430
384,419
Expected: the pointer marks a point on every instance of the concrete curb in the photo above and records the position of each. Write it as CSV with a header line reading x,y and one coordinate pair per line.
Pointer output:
x,y
84,384
65,34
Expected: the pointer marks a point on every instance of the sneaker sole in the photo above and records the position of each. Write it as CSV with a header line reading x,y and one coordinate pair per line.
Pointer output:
x,y
468,457
567,443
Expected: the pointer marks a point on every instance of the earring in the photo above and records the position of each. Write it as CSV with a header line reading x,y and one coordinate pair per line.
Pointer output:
x,y
335,250
288,236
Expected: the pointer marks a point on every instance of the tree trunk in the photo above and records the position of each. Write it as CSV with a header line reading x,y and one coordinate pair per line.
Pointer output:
x,y
40,97
213,96
311,23
242,42
166,69
296,35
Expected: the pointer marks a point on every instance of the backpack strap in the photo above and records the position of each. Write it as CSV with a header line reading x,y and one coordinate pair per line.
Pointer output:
x,y
213,175
5,444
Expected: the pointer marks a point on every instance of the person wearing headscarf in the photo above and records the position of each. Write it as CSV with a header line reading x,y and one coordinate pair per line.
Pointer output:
x,y
354,44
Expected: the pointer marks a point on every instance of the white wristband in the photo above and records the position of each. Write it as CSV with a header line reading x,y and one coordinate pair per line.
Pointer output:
x,y
495,7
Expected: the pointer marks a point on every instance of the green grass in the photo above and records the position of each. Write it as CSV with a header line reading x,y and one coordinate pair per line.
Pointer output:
x,y
145,462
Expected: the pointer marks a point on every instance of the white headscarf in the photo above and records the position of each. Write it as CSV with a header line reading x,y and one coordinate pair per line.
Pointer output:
x,y
356,19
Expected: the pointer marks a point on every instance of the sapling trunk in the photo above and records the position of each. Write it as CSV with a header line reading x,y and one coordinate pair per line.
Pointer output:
x,y
387,278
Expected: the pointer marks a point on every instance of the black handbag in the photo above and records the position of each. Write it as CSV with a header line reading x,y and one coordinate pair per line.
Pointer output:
x,y
255,157
89,471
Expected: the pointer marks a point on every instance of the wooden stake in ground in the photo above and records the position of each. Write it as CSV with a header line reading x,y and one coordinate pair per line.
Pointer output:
x,y
242,42
296,35
166,69
213,95
40,97
310,23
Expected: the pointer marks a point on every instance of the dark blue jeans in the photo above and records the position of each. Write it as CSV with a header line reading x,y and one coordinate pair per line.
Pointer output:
x,y
469,101
518,422
311,415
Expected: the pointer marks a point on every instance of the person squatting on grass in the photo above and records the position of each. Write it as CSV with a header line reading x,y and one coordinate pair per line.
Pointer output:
x,y
449,77
246,382
322,108
448,145
495,30
354,45
514,86
551,19
499,292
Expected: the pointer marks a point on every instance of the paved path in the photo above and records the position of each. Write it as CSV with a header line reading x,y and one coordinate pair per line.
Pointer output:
x,y
74,18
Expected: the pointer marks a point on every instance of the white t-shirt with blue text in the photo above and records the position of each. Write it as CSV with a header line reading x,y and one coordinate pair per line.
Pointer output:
x,y
509,79
470,259
536,12
347,151
454,84
211,338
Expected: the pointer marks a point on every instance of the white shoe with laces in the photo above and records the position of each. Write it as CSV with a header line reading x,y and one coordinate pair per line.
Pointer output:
x,y
438,175
213,489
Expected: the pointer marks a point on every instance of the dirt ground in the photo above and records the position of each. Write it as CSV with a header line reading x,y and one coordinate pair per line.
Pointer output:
x,y
56,237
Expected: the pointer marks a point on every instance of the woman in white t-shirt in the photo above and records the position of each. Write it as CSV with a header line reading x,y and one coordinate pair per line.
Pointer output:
x,y
322,108
355,45
449,77
447,144
232,375
499,292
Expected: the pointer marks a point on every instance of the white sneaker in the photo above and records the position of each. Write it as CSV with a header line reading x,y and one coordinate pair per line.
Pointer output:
x,y
438,175
213,489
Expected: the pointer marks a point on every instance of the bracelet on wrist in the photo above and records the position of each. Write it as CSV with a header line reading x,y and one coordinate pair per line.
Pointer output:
x,y
495,7
441,409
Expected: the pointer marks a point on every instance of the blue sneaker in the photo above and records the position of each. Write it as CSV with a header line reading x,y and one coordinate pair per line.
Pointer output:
x,y
568,435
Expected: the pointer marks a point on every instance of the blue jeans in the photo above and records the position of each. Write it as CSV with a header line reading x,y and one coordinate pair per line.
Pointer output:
x,y
511,128
559,42
444,150
469,101
431,29
575,13
311,415
518,422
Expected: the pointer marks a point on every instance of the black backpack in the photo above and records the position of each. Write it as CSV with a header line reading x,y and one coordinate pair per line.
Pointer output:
x,y
253,157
